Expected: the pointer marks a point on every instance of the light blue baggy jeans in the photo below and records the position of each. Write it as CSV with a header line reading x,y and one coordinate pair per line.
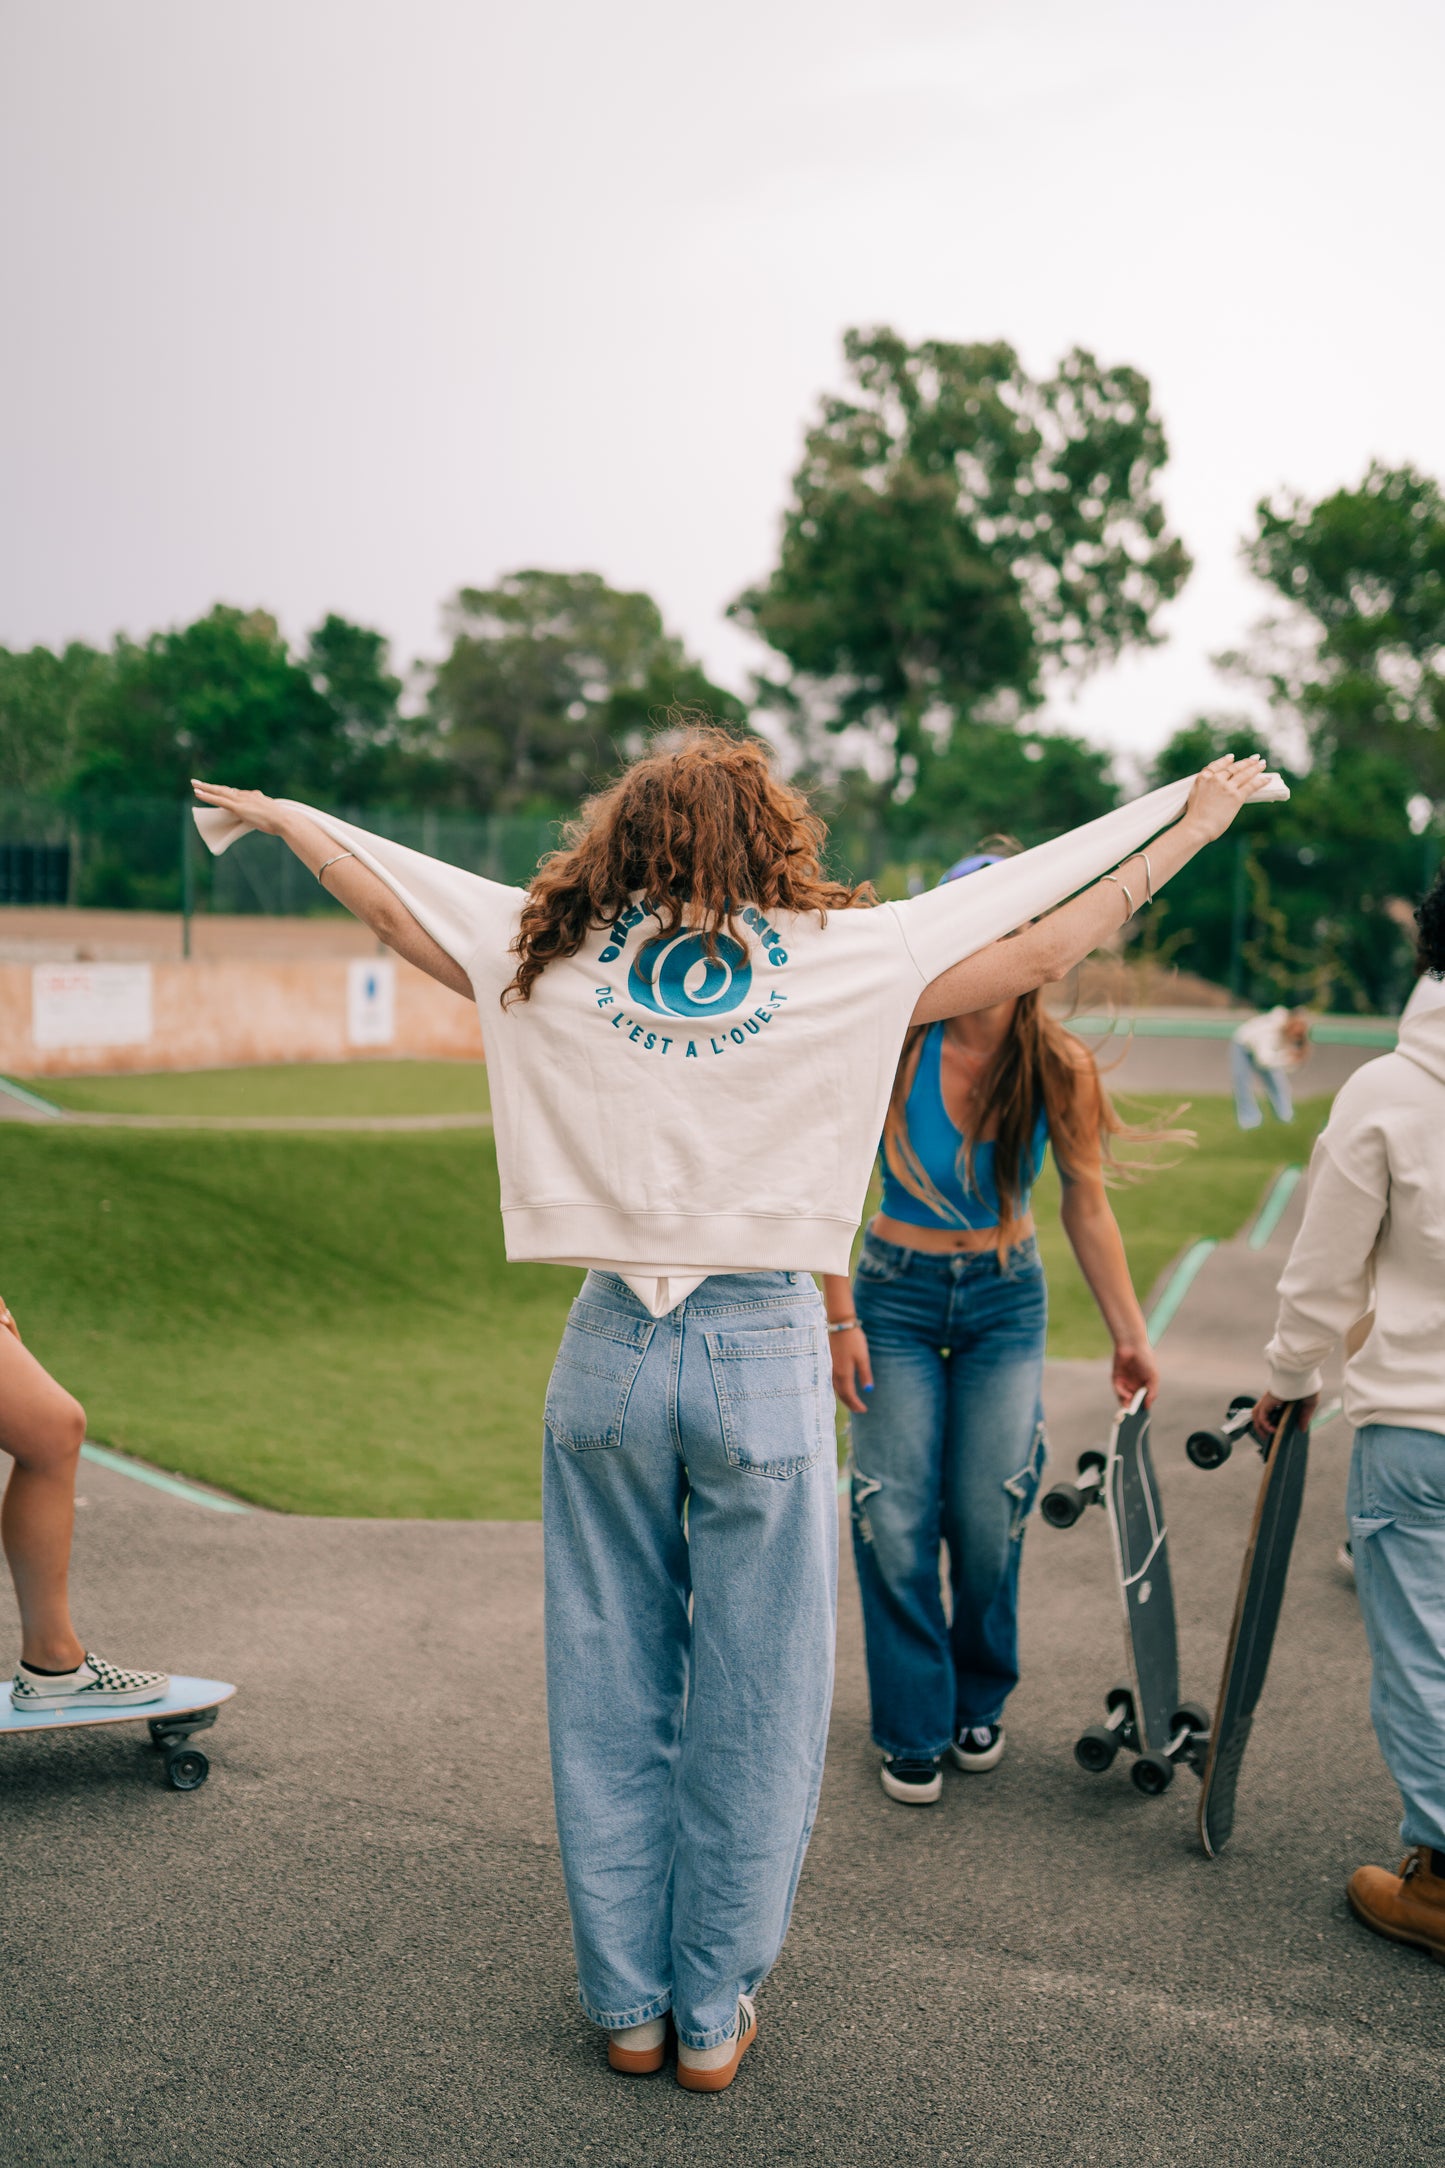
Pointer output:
x,y
690,1527
1396,1506
1247,1075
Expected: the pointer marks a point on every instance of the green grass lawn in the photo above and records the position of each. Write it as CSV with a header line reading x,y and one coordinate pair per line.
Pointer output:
x,y
325,1323
1211,1189
314,1087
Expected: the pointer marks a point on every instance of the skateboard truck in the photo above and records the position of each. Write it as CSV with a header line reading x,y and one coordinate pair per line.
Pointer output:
x,y
1062,1505
1212,1448
1153,1772
186,1766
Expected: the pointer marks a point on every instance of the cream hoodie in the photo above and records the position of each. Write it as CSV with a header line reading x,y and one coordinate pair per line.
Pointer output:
x,y
667,1116
1373,1234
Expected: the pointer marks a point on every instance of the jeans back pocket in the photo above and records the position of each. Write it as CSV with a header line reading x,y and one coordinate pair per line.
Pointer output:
x,y
770,1397
595,1370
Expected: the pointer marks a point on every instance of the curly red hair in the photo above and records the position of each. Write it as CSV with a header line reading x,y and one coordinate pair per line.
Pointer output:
x,y
700,827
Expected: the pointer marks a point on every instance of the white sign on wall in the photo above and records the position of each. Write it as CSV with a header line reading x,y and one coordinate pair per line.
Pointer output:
x,y
371,1003
84,1005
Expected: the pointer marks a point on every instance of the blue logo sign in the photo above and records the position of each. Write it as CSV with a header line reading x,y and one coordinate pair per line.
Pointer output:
x,y
675,976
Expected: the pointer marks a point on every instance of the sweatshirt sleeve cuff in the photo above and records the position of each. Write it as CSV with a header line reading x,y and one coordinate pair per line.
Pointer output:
x,y
1294,1384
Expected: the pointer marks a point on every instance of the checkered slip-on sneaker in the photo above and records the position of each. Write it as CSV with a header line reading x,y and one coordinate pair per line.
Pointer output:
x,y
95,1684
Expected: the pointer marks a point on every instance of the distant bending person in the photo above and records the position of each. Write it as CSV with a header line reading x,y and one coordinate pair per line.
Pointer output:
x,y
42,1429
1263,1056
691,1035
1371,1251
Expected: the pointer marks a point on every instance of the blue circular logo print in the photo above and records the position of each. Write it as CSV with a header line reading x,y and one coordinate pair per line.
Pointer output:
x,y
675,976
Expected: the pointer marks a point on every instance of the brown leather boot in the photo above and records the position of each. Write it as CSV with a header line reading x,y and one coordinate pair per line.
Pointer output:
x,y
1408,1906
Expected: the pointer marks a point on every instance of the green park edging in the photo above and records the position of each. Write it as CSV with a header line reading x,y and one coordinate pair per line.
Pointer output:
x,y
119,1465
31,1099
1324,1030
1272,1211
1176,1287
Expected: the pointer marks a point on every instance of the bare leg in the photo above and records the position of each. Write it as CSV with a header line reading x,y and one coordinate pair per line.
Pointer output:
x,y
42,1428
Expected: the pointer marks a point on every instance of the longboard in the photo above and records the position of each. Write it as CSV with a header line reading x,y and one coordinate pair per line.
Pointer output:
x,y
187,1707
1145,1713
1256,1615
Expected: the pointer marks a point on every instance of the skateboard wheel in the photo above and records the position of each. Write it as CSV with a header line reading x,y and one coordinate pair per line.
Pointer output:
x,y
1240,1402
1208,1448
1095,1751
186,1768
1189,1717
1153,1774
1062,1505
1091,1460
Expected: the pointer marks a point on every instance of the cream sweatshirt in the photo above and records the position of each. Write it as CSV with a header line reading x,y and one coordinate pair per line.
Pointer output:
x,y
664,1116
1373,1235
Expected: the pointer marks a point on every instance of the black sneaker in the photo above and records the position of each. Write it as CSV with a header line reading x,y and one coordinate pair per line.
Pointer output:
x,y
914,1783
978,1747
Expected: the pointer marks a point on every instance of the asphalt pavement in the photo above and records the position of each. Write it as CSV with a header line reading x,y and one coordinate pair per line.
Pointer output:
x,y
351,1946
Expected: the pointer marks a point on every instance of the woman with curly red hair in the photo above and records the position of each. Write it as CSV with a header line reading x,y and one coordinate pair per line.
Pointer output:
x,y
692,1035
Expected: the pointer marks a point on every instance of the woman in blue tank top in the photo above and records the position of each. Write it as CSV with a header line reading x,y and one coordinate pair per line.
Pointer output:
x,y
938,1351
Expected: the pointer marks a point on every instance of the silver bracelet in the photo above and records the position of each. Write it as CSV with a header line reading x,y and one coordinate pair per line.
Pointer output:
x,y
1148,876
331,862
844,1324
1128,899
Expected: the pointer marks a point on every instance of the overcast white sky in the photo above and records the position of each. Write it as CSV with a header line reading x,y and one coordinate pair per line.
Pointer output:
x,y
341,304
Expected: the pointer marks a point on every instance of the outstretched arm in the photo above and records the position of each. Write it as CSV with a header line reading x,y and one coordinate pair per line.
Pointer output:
x,y
1052,946
363,892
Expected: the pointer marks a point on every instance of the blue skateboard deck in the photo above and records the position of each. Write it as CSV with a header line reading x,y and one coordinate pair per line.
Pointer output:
x,y
188,1706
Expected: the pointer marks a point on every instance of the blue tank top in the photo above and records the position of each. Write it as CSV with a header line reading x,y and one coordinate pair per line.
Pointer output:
x,y
937,1143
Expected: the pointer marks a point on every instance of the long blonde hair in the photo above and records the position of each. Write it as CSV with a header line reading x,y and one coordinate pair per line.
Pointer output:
x,y
1038,1064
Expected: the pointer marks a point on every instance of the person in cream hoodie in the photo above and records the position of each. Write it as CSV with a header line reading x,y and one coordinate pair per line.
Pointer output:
x,y
1371,1253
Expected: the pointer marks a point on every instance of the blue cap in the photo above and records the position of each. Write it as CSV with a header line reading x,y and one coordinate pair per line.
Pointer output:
x,y
975,864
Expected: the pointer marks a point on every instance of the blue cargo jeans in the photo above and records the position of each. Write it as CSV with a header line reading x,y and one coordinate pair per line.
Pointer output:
x,y
690,1530
1396,1506
950,1451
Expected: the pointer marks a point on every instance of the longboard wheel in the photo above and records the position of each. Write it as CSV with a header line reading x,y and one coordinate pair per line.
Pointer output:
x,y
186,1768
1096,1749
1208,1448
1189,1716
1062,1505
1153,1774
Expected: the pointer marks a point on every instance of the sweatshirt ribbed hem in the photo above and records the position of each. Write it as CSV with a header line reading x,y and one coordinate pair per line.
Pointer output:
x,y
583,1234
1293,1384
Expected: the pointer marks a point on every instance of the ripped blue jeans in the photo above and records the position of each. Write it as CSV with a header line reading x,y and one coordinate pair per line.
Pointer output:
x,y
950,1452
1396,1506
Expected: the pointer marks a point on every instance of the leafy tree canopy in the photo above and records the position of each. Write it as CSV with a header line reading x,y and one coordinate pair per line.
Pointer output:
x,y
552,678
1315,892
44,702
224,698
959,529
1361,658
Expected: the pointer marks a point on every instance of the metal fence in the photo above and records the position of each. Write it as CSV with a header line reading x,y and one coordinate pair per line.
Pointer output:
x,y
1319,923
144,854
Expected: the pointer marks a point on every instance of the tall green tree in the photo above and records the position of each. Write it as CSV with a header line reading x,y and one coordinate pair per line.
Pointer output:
x,y
959,532
45,700
1360,656
1306,904
552,677
225,698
